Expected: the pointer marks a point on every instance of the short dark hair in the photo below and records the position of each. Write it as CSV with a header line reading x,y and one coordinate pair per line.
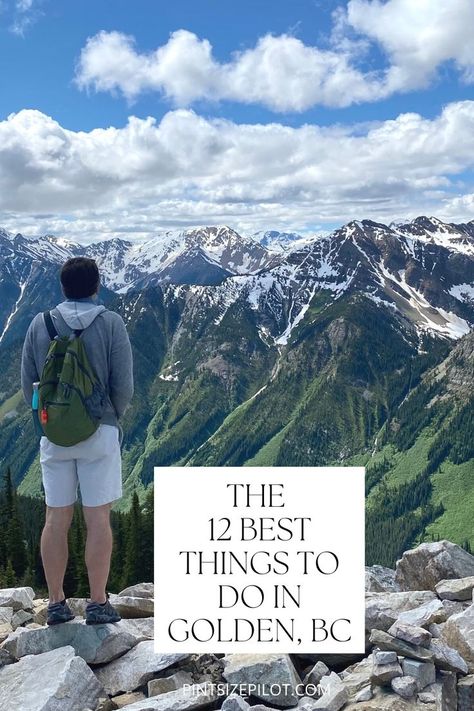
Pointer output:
x,y
79,277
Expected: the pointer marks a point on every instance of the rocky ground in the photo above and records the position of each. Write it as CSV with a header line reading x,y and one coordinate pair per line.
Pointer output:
x,y
419,654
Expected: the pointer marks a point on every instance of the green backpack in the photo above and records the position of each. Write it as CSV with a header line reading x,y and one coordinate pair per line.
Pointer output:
x,y
70,397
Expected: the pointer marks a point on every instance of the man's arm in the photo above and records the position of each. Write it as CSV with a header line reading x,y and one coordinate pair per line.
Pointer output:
x,y
29,374
121,367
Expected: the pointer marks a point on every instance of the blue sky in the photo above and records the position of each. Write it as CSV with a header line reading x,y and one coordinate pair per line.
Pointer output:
x,y
299,78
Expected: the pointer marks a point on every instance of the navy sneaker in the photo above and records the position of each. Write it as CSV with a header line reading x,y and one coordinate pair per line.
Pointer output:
x,y
59,612
101,614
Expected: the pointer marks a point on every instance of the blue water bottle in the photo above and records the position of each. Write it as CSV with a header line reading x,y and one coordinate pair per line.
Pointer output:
x,y
34,409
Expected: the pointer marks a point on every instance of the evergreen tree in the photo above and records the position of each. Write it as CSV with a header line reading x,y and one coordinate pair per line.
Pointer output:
x,y
133,567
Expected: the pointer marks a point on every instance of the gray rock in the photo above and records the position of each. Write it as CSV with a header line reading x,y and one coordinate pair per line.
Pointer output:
x,y
436,629
5,630
78,605
425,566
144,590
21,617
382,674
382,657
424,615
410,633
135,668
458,589
334,694
234,702
383,609
52,681
459,634
357,677
365,694
40,611
424,673
454,607
264,669
183,699
6,658
404,686
6,614
130,607
17,598
315,674
427,697
96,644
447,658
465,689
124,700
380,579
404,649
169,683
306,703
141,628
445,691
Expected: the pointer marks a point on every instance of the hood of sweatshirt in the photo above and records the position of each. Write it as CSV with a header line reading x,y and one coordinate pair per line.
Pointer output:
x,y
79,314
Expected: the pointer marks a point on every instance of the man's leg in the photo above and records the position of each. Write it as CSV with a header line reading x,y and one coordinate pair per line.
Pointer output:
x,y
98,549
54,548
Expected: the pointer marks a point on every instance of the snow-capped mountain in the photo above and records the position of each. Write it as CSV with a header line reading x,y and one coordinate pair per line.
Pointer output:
x,y
422,271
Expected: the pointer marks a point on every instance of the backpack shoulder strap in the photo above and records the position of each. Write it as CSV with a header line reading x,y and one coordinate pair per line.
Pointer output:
x,y
50,325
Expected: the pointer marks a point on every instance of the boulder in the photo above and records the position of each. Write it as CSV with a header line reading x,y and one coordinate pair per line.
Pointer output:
x,y
142,628
443,690
334,694
422,568
52,681
458,632
78,605
380,579
365,694
410,633
40,611
6,614
131,607
423,673
465,689
382,674
383,609
184,699
425,615
21,617
385,700
123,700
457,589
264,670
316,673
357,677
135,668
17,598
5,630
381,657
96,644
404,686
144,590
169,683
447,658
383,640
234,702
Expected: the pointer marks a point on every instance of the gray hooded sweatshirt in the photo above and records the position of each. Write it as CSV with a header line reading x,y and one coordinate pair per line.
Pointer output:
x,y
107,345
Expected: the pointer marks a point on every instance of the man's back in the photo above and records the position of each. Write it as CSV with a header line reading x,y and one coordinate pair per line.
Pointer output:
x,y
107,344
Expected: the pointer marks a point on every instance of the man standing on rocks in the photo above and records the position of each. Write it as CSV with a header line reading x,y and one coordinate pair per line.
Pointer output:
x,y
93,463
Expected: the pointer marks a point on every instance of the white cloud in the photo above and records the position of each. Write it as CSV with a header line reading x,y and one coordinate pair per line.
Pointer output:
x,y
21,14
418,37
188,170
283,73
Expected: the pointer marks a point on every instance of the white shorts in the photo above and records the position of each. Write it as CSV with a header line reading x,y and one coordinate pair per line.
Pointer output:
x,y
95,463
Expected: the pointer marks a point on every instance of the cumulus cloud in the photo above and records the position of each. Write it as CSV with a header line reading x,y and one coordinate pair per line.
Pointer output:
x,y
187,170
283,73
